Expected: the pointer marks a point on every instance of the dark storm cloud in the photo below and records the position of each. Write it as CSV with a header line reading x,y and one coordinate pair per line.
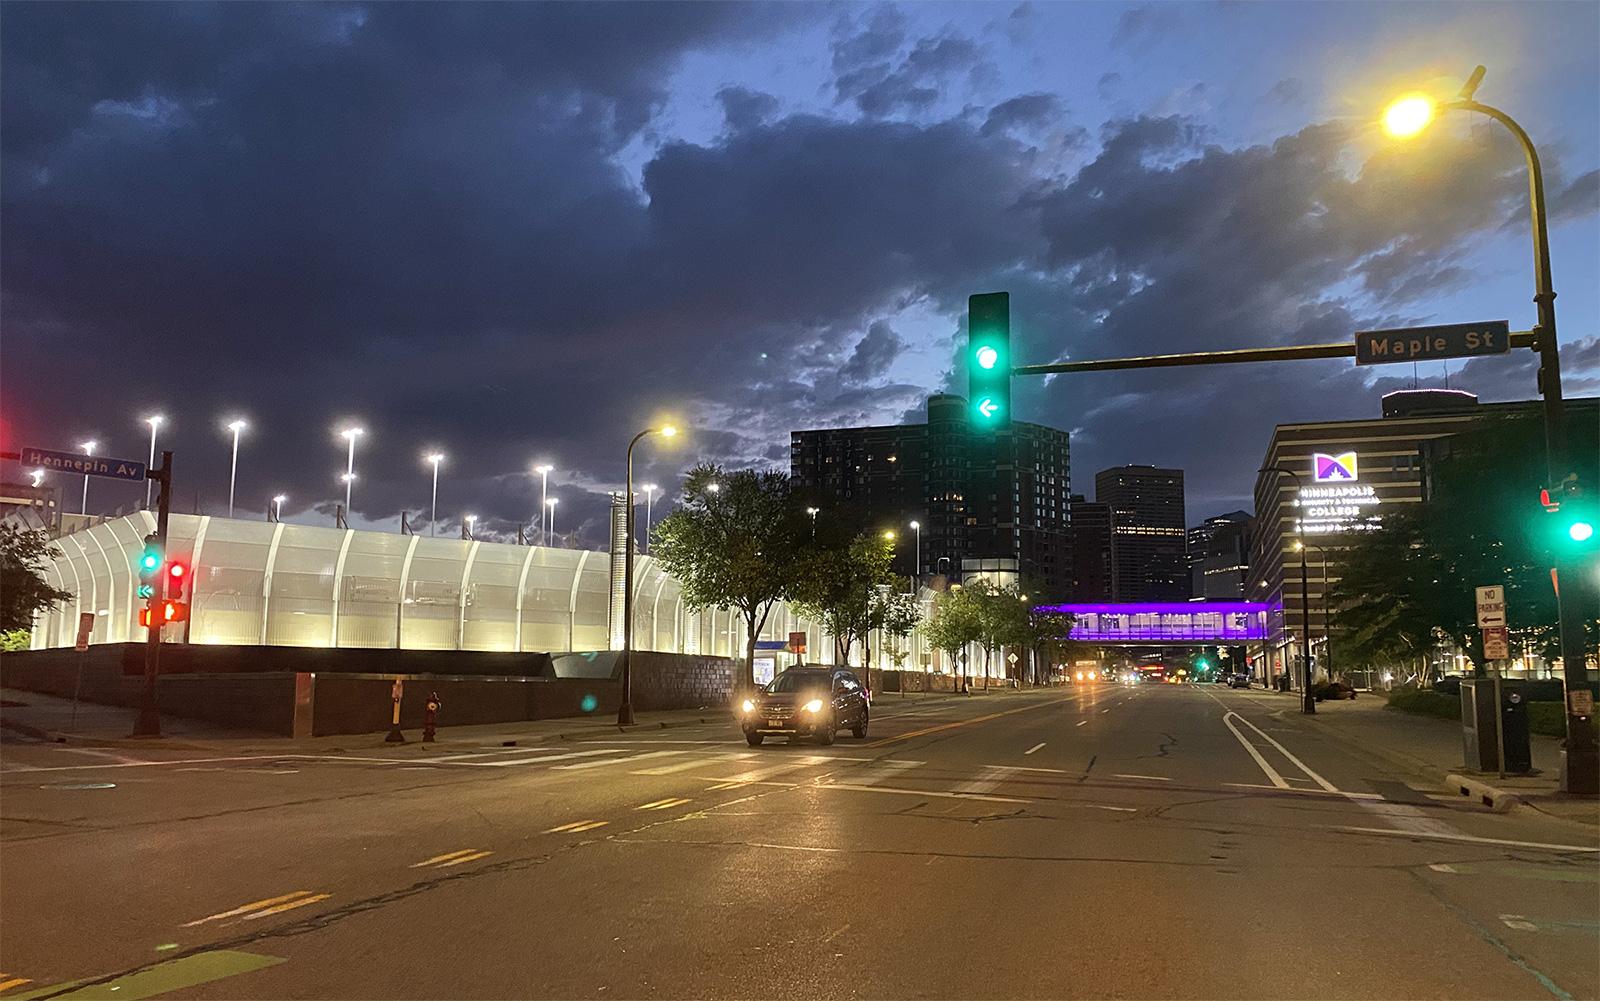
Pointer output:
x,y
745,109
871,72
1024,111
874,353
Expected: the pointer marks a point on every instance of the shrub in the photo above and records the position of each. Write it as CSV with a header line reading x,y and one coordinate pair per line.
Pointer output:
x,y
1426,703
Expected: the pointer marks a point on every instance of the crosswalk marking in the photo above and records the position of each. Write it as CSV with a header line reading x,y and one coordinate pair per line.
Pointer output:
x,y
247,908
683,766
291,905
576,826
498,753
985,782
888,769
553,757
616,761
664,804
760,774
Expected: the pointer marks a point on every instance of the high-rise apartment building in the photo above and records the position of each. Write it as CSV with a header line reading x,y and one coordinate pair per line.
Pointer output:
x,y
1149,560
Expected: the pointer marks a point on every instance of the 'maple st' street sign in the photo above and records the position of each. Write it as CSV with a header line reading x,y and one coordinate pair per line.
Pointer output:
x,y
83,465
1449,340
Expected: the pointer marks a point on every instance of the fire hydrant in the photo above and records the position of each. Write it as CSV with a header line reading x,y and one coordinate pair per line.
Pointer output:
x,y
430,717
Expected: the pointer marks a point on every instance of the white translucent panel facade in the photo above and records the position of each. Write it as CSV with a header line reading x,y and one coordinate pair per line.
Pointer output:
x,y
295,585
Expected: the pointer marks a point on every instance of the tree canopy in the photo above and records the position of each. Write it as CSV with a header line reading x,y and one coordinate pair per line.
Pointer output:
x,y
23,589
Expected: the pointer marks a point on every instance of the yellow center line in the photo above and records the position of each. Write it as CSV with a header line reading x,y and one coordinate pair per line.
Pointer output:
x,y
291,905
576,826
441,858
965,722
13,982
253,905
473,857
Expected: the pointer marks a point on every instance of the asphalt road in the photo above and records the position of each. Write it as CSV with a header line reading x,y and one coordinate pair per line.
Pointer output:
x,y
1097,842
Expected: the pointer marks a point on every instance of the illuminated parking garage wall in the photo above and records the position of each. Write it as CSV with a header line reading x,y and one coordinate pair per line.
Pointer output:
x,y
299,585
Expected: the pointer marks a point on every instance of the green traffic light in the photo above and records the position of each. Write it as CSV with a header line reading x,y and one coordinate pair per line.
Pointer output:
x,y
1580,531
150,561
988,357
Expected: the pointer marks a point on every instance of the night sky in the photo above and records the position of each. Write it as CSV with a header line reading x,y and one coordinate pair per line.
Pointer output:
x,y
519,233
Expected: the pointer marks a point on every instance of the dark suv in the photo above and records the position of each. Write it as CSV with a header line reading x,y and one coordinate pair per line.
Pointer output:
x,y
806,702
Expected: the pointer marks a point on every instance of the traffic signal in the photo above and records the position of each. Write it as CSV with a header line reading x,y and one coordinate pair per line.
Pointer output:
x,y
989,360
1574,515
164,612
177,575
149,568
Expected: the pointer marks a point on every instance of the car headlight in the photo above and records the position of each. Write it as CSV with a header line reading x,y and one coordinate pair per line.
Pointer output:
x,y
749,706
814,706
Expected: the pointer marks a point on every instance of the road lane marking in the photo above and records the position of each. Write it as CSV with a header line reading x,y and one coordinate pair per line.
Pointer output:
x,y
1518,922
756,775
986,782
163,978
966,722
1082,722
921,792
1316,792
663,804
247,908
1032,768
475,856
1034,748
616,761
497,753
683,766
7,983
1318,779
577,825
872,775
441,858
830,937
1469,839
291,905
540,761
1106,709
1443,867
1271,773
1152,778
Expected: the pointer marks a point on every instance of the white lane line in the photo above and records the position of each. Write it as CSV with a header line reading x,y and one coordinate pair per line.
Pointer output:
x,y
1034,748
1316,792
1082,722
985,782
1152,778
500,753
1318,779
683,766
540,761
1271,773
1469,839
756,775
616,761
1029,768
872,775
1106,709
121,758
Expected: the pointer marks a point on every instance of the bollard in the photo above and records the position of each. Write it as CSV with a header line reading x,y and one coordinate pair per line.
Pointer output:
x,y
395,736
430,717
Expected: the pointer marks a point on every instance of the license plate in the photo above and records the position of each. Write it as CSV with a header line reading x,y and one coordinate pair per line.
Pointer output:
x,y
775,722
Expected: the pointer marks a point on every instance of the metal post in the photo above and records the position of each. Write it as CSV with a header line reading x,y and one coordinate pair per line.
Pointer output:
x,y
625,710
433,512
1308,703
149,721
233,470
154,422
649,505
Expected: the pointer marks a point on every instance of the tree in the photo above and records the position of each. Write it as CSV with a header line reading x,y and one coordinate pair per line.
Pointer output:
x,y
1481,524
736,540
1002,618
902,612
1049,635
840,584
953,625
23,590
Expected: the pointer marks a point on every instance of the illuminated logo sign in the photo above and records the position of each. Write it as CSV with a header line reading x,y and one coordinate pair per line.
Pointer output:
x,y
1333,468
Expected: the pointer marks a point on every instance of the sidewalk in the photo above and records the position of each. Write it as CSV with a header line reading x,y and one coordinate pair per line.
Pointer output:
x,y
34,717
1433,748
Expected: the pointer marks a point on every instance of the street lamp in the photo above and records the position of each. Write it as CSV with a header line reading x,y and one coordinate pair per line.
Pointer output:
x,y
233,471
433,512
155,421
472,521
1407,117
812,511
1327,609
1308,703
545,508
350,434
916,526
649,502
38,476
88,449
277,504
625,710
550,506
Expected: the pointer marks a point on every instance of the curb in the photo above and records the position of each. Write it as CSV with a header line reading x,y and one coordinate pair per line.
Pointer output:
x,y
1495,799
32,731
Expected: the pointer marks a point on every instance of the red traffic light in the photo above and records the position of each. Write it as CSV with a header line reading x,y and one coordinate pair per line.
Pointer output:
x,y
1550,504
176,569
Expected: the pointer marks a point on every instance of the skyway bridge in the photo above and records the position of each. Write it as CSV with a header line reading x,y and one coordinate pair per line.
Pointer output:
x,y
1177,623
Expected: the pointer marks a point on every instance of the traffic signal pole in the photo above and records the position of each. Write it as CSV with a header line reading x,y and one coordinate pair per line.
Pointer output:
x,y
149,721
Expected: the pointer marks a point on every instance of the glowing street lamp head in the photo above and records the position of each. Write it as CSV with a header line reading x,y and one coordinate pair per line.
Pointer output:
x,y
237,426
649,488
279,499
1408,115
347,477
352,433
916,525
889,536
715,488
552,502
543,469
155,420
668,431
812,511
88,446
38,476
434,457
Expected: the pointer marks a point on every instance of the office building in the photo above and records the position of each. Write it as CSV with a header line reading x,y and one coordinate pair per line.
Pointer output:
x,y
1219,557
1091,549
1149,551
976,496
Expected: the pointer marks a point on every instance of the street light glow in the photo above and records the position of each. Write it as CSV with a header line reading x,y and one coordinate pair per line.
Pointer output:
x,y
237,426
544,469
352,433
434,457
155,420
889,536
38,476
667,431
1408,115
916,525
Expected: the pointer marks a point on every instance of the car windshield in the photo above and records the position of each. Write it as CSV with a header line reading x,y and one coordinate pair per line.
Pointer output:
x,y
797,681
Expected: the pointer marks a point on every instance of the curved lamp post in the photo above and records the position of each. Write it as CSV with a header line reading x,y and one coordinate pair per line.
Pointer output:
x,y
625,710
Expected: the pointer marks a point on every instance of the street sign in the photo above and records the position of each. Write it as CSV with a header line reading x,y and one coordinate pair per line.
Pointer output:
x,y
1013,658
1449,340
1496,643
797,643
84,465
1491,607
85,627
1581,702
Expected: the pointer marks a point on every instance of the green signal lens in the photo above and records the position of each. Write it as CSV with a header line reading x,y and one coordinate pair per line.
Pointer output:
x,y
1580,531
988,357
987,408
149,561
